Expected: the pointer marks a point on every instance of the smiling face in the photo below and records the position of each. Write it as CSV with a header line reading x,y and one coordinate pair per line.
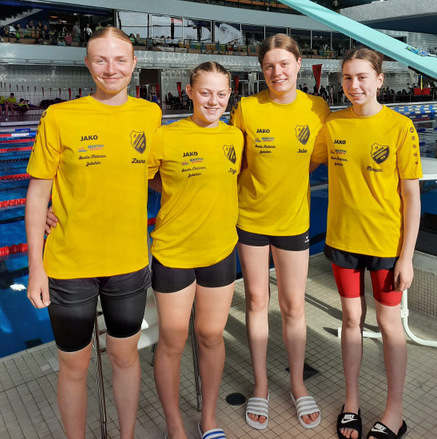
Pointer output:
x,y
280,68
361,84
210,93
111,62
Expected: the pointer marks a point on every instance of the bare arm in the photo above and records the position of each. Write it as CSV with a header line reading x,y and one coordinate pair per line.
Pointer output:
x,y
314,166
38,196
155,183
404,273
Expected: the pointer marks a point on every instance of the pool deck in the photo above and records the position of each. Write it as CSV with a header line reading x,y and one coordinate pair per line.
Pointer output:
x,y
28,407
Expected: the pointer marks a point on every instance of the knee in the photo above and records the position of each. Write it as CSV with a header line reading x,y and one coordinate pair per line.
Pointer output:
x,y
293,310
123,359
172,340
390,327
75,369
352,320
257,301
209,338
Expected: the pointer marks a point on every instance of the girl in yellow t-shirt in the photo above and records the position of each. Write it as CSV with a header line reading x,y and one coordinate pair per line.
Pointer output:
x,y
194,257
280,125
373,219
91,154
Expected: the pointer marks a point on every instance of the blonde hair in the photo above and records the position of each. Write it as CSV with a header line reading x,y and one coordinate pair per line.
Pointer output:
x,y
375,58
209,66
109,31
278,41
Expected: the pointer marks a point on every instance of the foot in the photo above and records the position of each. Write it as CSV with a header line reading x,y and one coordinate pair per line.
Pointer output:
x,y
392,421
216,433
258,418
381,431
207,425
175,432
257,408
352,420
310,418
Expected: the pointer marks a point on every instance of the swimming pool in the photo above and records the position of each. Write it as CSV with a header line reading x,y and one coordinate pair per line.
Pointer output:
x,y
22,326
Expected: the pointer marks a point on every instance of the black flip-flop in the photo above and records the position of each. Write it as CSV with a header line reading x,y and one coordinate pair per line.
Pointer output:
x,y
381,431
349,420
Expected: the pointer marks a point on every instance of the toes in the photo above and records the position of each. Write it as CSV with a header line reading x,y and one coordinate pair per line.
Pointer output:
x,y
308,419
349,433
257,418
314,416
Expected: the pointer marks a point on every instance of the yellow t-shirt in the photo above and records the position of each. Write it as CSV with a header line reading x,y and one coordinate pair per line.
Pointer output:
x,y
196,225
274,192
2,100
367,157
97,156
12,100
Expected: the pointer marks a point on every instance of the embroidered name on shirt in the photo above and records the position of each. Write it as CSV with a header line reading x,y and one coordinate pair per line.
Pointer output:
x,y
339,142
262,130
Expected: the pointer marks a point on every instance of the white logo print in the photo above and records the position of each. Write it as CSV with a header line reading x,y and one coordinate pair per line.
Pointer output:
x,y
348,418
379,428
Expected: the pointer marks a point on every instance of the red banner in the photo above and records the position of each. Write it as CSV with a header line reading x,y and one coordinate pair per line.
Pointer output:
x,y
80,92
69,94
317,70
422,91
138,90
236,80
179,86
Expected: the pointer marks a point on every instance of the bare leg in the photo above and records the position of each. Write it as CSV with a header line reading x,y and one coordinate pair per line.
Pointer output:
x,y
354,314
174,311
212,310
126,374
72,391
255,266
291,274
395,358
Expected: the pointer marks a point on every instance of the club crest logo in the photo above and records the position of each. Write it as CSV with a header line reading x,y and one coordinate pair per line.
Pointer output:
x,y
379,153
230,154
138,141
302,133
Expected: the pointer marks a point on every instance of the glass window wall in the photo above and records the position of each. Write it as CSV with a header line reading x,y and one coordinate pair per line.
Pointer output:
x,y
303,39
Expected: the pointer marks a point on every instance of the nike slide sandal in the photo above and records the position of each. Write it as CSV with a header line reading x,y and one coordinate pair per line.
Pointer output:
x,y
349,420
381,431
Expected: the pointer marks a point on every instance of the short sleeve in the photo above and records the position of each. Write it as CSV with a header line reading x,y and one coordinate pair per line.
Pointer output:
x,y
46,152
156,153
408,154
320,151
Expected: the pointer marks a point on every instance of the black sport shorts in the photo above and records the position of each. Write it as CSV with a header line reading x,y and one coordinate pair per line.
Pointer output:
x,y
293,243
74,301
170,280
357,261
